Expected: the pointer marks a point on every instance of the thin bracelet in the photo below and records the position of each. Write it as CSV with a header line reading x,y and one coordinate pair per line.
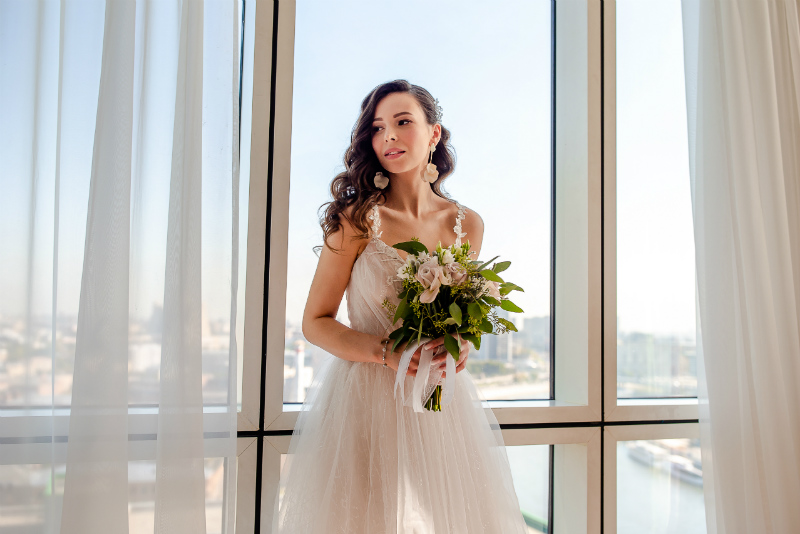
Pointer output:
x,y
384,352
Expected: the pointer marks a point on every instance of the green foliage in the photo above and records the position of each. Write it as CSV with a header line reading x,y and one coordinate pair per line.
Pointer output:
x,y
508,287
490,275
412,247
510,306
403,309
502,266
452,346
455,313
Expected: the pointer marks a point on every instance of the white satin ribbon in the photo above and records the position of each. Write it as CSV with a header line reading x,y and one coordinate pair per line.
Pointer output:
x,y
427,376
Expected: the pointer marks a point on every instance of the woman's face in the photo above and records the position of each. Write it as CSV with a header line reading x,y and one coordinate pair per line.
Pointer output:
x,y
401,136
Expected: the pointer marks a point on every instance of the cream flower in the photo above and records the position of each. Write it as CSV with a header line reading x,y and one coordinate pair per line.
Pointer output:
x,y
456,273
447,257
492,289
402,271
431,275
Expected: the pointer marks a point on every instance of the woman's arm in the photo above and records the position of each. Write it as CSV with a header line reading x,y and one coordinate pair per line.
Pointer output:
x,y
330,280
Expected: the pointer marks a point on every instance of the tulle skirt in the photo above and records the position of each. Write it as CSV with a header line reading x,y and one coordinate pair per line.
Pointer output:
x,y
361,461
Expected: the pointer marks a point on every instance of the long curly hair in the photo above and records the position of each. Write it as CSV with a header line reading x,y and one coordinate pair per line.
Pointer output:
x,y
355,185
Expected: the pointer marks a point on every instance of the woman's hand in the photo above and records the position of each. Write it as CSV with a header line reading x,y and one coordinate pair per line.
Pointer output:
x,y
439,348
439,355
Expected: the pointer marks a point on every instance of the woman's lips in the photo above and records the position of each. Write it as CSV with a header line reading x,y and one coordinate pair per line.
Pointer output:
x,y
395,155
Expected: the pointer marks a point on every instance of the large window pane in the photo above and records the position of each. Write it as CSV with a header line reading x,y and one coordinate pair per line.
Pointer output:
x,y
490,69
530,467
655,246
31,496
43,222
660,487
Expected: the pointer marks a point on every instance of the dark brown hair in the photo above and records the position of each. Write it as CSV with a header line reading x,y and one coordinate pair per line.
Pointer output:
x,y
355,185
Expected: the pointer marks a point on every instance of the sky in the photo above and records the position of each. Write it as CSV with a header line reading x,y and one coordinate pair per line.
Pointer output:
x,y
490,70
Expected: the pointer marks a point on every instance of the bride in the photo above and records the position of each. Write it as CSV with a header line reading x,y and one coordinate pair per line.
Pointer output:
x,y
360,459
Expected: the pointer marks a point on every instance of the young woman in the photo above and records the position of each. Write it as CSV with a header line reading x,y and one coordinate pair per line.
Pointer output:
x,y
361,460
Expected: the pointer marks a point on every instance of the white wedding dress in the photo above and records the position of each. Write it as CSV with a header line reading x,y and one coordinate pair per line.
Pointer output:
x,y
362,462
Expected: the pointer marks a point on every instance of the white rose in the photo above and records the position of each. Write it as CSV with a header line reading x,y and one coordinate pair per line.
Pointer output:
x,y
447,257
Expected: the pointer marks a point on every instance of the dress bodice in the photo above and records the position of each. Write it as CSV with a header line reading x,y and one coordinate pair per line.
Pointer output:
x,y
374,279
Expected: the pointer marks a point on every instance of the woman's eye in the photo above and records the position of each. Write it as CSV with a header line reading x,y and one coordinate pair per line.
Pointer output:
x,y
378,128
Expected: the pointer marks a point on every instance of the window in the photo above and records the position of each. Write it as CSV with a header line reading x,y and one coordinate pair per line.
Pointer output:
x,y
570,114
498,109
656,354
580,229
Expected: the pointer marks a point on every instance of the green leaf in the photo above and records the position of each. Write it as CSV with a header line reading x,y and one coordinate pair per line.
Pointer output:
x,y
474,310
491,300
508,287
403,294
397,333
484,264
510,306
463,328
455,313
451,345
502,266
476,340
486,326
450,320
412,247
490,275
508,324
403,309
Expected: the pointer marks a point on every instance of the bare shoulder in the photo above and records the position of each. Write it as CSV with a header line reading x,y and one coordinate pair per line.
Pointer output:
x,y
472,222
346,238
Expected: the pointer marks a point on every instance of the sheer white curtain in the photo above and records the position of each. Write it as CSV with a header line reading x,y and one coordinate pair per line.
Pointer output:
x,y
742,62
119,221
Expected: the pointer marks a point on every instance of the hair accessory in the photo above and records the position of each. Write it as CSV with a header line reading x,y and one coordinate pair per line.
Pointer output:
x,y
438,109
381,181
431,174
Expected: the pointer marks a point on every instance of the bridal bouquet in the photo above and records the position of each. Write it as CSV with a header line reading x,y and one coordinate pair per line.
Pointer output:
x,y
445,294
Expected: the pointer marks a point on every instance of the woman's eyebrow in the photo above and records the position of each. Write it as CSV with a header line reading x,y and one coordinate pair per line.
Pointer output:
x,y
395,116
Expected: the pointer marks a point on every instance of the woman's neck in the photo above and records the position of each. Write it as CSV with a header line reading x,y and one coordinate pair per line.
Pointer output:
x,y
410,194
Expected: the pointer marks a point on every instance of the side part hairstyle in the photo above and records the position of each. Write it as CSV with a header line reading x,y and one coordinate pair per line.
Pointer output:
x,y
355,185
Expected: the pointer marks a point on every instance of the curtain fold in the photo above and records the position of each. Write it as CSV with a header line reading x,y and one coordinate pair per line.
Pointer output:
x,y
742,64
180,486
95,490
118,280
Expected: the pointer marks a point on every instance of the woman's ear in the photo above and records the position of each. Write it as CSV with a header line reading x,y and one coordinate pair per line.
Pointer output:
x,y
437,132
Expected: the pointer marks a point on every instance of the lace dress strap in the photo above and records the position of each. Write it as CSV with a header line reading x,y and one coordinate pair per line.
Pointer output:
x,y
375,217
457,227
